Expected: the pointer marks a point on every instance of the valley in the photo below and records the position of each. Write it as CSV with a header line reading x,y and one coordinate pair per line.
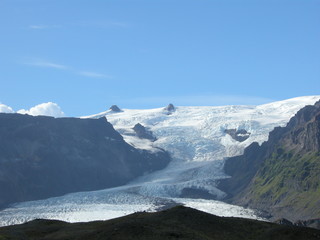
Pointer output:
x,y
198,143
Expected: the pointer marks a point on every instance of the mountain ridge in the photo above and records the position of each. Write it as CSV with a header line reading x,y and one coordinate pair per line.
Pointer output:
x,y
43,157
282,175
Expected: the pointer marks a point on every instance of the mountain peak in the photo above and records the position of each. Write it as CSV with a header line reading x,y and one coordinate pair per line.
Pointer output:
x,y
115,108
170,107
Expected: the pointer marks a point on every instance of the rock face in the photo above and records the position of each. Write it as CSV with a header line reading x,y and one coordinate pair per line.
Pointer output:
x,y
281,176
115,108
312,223
284,221
170,108
238,135
142,132
42,157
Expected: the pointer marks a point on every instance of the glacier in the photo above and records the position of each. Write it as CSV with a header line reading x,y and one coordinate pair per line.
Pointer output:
x,y
197,141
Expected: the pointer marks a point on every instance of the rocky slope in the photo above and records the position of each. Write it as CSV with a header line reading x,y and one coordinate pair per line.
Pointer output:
x,y
176,223
41,157
281,176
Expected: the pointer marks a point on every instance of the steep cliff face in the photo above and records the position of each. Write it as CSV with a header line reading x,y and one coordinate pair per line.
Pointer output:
x,y
42,157
282,175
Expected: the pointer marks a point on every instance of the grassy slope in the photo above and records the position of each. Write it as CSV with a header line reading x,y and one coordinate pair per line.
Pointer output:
x,y
288,180
282,177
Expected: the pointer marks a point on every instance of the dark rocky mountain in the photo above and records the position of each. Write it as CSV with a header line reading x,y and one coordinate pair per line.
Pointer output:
x,y
312,223
41,157
170,109
282,176
175,223
142,132
115,108
239,135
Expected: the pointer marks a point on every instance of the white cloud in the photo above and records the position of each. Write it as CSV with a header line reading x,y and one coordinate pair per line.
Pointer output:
x,y
48,64
93,74
44,109
37,26
5,109
42,63
41,27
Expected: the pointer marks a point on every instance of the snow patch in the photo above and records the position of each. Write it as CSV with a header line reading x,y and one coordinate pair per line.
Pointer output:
x,y
219,208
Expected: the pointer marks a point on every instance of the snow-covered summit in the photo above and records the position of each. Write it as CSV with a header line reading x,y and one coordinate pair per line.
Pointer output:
x,y
197,139
197,125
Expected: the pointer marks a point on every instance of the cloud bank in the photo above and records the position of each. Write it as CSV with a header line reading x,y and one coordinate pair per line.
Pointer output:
x,y
44,109
5,109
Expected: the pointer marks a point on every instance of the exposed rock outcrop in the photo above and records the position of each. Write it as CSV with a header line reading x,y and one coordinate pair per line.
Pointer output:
x,y
284,221
170,109
312,223
43,157
142,132
282,175
115,108
238,135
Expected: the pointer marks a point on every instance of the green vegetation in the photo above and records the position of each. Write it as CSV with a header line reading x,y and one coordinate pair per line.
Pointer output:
x,y
289,180
281,178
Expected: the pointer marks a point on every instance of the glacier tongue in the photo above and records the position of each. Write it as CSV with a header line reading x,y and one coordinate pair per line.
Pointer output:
x,y
198,143
108,204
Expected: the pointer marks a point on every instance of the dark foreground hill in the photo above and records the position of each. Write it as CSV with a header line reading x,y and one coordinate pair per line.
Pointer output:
x,y
42,157
176,223
282,176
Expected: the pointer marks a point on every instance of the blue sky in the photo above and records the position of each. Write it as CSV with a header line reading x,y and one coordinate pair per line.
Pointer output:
x,y
88,55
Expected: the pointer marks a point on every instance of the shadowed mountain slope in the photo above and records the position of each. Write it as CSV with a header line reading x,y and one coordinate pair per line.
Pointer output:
x,y
41,157
176,223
